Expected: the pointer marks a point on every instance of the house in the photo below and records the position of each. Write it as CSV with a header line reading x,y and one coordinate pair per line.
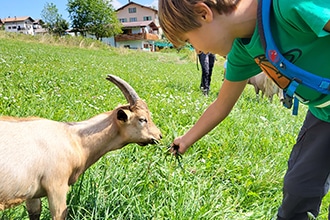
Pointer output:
x,y
140,27
19,25
1,24
37,27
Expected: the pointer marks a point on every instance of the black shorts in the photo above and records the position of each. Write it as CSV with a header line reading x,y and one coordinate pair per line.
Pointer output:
x,y
309,162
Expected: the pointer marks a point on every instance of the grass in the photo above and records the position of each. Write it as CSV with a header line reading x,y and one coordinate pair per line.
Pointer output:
x,y
234,172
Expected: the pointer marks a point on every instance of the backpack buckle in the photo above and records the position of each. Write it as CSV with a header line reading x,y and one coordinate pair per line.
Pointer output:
x,y
289,92
288,96
287,100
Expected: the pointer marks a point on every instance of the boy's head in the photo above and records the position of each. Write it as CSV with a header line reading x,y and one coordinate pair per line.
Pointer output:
x,y
177,17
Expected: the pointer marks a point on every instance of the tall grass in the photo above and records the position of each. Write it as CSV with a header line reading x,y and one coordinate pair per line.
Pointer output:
x,y
234,172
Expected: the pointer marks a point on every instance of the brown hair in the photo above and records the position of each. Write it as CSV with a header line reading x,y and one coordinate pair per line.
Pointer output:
x,y
177,17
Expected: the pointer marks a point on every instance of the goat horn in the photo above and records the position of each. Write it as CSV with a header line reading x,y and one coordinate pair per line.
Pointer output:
x,y
129,93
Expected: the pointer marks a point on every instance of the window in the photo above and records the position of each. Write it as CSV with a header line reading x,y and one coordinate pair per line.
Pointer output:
x,y
132,19
122,20
147,18
131,10
127,31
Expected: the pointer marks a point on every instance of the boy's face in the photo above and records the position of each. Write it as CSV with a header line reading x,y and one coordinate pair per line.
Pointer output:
x,y
213,36
210,38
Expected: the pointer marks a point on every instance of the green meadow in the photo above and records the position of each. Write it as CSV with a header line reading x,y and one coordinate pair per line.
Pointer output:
x,y
234,172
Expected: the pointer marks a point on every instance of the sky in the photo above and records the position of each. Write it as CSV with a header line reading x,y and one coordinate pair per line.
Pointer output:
x,y
33,8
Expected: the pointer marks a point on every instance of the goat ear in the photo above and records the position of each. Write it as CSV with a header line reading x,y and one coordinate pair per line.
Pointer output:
x,y
121,115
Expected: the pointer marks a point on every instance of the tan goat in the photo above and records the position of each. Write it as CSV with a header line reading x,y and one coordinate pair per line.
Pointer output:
x,y
41,157
267,87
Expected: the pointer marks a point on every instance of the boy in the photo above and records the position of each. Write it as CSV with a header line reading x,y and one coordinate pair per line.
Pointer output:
x,y
301,30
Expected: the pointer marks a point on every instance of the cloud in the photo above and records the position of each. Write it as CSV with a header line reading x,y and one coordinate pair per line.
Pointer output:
x,y
116,4
155,4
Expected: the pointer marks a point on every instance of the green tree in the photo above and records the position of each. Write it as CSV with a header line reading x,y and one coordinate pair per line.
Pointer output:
x,y
54,22
61,26
78,13
96,17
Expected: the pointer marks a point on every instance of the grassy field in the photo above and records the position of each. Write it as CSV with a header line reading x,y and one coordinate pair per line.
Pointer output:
x,y
234,172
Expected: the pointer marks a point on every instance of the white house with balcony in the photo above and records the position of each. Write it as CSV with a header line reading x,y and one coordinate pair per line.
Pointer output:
x,y
140,27
22,25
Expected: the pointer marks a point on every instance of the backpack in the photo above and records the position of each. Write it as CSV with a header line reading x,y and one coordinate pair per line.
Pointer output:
x,y
296,75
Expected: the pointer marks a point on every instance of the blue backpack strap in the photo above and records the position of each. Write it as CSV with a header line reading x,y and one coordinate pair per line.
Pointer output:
x,y
290,70
294,73
288,93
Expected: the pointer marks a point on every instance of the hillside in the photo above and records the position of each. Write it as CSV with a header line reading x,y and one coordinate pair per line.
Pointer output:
x,y
234,172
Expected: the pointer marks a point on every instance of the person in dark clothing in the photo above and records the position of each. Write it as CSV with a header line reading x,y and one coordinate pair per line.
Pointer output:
x,y
207,63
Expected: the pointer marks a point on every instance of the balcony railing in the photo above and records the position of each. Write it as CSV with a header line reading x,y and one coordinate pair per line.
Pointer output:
x,y
133,37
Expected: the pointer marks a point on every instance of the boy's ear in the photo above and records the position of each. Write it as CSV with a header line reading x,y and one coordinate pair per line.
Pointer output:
x,y
204,12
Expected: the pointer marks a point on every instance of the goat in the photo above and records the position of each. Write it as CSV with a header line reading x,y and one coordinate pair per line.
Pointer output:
x,y
263,83
41,157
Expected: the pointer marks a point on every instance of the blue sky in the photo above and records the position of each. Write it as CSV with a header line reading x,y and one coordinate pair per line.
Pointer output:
x,y
33,8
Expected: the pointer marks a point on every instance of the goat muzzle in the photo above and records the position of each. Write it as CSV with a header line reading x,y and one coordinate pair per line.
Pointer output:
x,y
151,141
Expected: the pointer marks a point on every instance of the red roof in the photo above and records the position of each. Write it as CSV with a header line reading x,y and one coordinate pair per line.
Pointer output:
x,y
15,19
130,3
140,24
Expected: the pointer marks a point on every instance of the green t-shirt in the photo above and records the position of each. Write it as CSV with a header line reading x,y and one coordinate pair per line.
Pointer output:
x,y
297,28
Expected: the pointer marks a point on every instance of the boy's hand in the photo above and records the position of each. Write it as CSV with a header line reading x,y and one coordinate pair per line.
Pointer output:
x,y
178,146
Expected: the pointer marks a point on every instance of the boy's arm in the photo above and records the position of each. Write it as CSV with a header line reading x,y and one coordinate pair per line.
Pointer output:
x,y
214,114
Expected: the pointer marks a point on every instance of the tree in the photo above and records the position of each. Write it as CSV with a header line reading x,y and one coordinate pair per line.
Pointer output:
x,y
96,17
61,26
54,22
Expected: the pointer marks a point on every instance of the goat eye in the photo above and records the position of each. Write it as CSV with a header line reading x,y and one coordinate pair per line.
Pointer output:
x,y
143,120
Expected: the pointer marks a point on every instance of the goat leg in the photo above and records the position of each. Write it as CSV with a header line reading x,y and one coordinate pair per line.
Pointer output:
x,y
33,207
57,201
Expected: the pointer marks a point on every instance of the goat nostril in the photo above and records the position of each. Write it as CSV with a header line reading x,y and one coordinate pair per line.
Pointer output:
x,y
160,136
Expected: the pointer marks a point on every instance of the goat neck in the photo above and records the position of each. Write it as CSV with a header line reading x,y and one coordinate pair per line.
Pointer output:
x,y
97,136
